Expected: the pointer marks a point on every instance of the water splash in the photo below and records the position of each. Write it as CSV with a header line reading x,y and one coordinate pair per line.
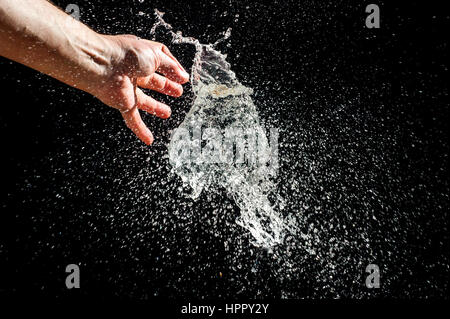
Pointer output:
x,y
223,103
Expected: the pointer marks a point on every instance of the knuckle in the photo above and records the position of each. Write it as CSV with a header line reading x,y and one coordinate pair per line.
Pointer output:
x,y
131,36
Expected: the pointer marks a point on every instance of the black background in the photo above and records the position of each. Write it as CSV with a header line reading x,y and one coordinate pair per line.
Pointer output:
x,y
64,153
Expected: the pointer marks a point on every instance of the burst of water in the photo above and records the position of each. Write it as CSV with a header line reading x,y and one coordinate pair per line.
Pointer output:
x,y
223,103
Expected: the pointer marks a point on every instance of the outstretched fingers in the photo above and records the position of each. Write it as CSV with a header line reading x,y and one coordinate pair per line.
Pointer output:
x,y
171,68
167,51
160,84
133,118
150,105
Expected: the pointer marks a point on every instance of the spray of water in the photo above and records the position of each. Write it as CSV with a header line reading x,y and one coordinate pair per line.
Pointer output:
x,y
223,103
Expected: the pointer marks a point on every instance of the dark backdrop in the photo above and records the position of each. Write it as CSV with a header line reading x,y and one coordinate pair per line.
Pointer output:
x,y
77,186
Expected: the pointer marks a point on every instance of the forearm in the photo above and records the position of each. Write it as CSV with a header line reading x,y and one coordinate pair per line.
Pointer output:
x,y
111,68
39,35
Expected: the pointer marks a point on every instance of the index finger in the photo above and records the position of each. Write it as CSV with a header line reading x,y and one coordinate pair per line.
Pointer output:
x,y
167,51
172,69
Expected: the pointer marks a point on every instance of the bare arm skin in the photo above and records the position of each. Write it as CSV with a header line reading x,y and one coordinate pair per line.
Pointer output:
x,y
112,68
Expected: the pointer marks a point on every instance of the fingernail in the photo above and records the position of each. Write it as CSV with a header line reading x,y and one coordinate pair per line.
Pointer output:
x,y
149,138
167,113
179,64
179,90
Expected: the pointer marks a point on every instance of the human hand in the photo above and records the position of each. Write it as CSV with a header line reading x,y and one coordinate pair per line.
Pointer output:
x,y
137,63
112,68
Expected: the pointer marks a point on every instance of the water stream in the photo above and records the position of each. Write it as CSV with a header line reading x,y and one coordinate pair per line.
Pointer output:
x,y
222,144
